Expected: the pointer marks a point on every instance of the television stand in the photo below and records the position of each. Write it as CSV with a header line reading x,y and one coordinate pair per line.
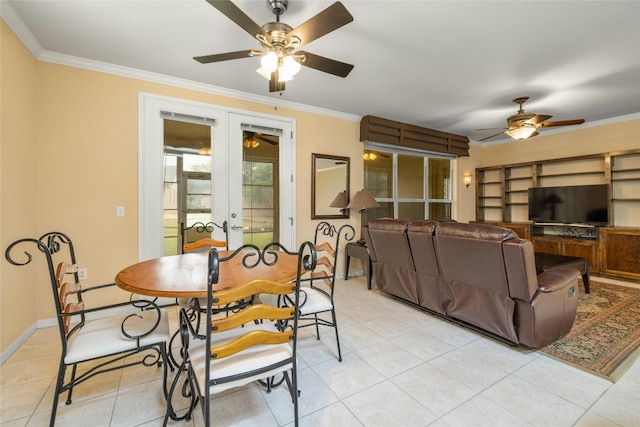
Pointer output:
x,y
576,231
570,240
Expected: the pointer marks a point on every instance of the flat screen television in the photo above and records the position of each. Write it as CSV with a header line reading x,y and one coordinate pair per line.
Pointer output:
x,y
581,204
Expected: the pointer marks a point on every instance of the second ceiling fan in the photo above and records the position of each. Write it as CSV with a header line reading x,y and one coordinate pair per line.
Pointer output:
x,y
524,125
281,59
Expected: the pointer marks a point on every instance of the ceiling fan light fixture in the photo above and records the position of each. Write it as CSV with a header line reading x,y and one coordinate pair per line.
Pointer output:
x,y
269,62
522,132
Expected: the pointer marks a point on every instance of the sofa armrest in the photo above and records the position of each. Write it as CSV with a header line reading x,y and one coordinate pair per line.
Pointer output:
x,y
556,279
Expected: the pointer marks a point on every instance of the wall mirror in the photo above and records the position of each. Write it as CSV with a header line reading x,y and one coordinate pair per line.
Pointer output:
x,y
329,186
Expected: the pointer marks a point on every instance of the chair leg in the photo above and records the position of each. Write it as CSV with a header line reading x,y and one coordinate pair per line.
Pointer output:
x,y
335,326
59,384
292,384
71,382
317,327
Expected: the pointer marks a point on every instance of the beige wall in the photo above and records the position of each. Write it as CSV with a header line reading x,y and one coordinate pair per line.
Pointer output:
x,y
18,176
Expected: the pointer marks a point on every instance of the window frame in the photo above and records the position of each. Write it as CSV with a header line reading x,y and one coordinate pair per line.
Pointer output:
x,y
394,152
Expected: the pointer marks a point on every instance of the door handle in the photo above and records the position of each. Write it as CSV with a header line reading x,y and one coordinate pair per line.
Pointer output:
x,y
236,227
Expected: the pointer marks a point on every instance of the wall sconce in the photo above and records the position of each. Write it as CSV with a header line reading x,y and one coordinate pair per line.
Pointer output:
x,y
467,180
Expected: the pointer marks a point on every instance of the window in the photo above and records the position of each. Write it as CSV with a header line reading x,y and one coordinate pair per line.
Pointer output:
x,y
408,184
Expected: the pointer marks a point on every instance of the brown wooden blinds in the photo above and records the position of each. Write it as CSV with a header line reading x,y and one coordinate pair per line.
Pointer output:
x,y
375,129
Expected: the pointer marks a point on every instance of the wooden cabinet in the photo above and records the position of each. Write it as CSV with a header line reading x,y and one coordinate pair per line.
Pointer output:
x,y
582,248
620,252
502,200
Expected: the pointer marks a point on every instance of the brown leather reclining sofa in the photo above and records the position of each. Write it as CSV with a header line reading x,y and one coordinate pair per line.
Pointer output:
x,y
481,275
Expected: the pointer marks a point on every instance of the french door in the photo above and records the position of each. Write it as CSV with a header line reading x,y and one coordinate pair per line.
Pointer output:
x,y
242,174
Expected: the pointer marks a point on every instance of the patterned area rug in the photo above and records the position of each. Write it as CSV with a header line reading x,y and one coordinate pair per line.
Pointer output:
x,y
606,333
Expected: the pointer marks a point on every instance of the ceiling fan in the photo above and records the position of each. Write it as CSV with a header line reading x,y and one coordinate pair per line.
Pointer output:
x,y
253,139
280,58
525,125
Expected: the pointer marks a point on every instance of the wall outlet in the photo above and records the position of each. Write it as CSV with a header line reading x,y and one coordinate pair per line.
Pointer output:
x,y
82,274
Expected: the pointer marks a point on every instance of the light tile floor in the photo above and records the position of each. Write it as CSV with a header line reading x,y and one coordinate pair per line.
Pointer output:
x,y
401,367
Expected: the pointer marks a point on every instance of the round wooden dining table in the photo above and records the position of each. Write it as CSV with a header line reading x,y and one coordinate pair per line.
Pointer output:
x,y
185,276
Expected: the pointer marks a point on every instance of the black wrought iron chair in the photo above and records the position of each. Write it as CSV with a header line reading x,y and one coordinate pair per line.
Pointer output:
x,y
110,340
253,343
316,294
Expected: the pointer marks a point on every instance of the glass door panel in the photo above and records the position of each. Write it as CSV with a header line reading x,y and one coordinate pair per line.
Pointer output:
x,y
187,179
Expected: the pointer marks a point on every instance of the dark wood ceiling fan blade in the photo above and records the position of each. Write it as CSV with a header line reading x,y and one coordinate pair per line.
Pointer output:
x,y
562,123
233,12
330,19
207,59
492,136
539,118
532,135
320,63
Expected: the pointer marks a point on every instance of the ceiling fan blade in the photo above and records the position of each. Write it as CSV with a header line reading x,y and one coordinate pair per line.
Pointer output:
x,y
234,13
538,119
264,139
562,123
492,136
207,59
330,19
320,63
532,135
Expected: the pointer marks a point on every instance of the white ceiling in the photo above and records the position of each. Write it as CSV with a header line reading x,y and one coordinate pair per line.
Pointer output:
x,y
449,65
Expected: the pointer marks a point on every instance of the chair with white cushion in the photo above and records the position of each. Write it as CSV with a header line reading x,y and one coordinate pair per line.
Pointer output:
x,y
318,287
116,336
251,344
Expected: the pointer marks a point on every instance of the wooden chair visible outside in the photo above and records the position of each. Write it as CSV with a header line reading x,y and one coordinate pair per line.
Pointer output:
x,y
106,343
253,343
198,236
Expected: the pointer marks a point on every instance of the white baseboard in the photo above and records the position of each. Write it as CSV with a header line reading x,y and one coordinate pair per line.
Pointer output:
x,y
17,343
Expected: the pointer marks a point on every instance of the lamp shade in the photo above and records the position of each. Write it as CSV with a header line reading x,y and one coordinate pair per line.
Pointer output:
x,y
363,200
340,201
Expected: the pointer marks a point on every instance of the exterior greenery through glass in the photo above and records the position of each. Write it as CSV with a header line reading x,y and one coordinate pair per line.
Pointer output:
x,y
408,184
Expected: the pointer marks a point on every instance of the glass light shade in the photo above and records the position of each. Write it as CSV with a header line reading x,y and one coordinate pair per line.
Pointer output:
x,y
264,73
269,62
522,132
289,68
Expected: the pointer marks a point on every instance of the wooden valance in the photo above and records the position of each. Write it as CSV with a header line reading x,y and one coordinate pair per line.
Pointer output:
x,y
375,129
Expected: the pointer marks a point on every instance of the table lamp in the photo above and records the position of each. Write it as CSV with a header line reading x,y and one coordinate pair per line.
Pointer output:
x,y
340,202
363,200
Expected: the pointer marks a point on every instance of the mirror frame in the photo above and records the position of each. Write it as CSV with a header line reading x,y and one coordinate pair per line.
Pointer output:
x,y
315,157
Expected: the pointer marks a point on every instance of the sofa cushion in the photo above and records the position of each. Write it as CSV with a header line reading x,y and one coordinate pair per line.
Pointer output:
x,y
475,231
